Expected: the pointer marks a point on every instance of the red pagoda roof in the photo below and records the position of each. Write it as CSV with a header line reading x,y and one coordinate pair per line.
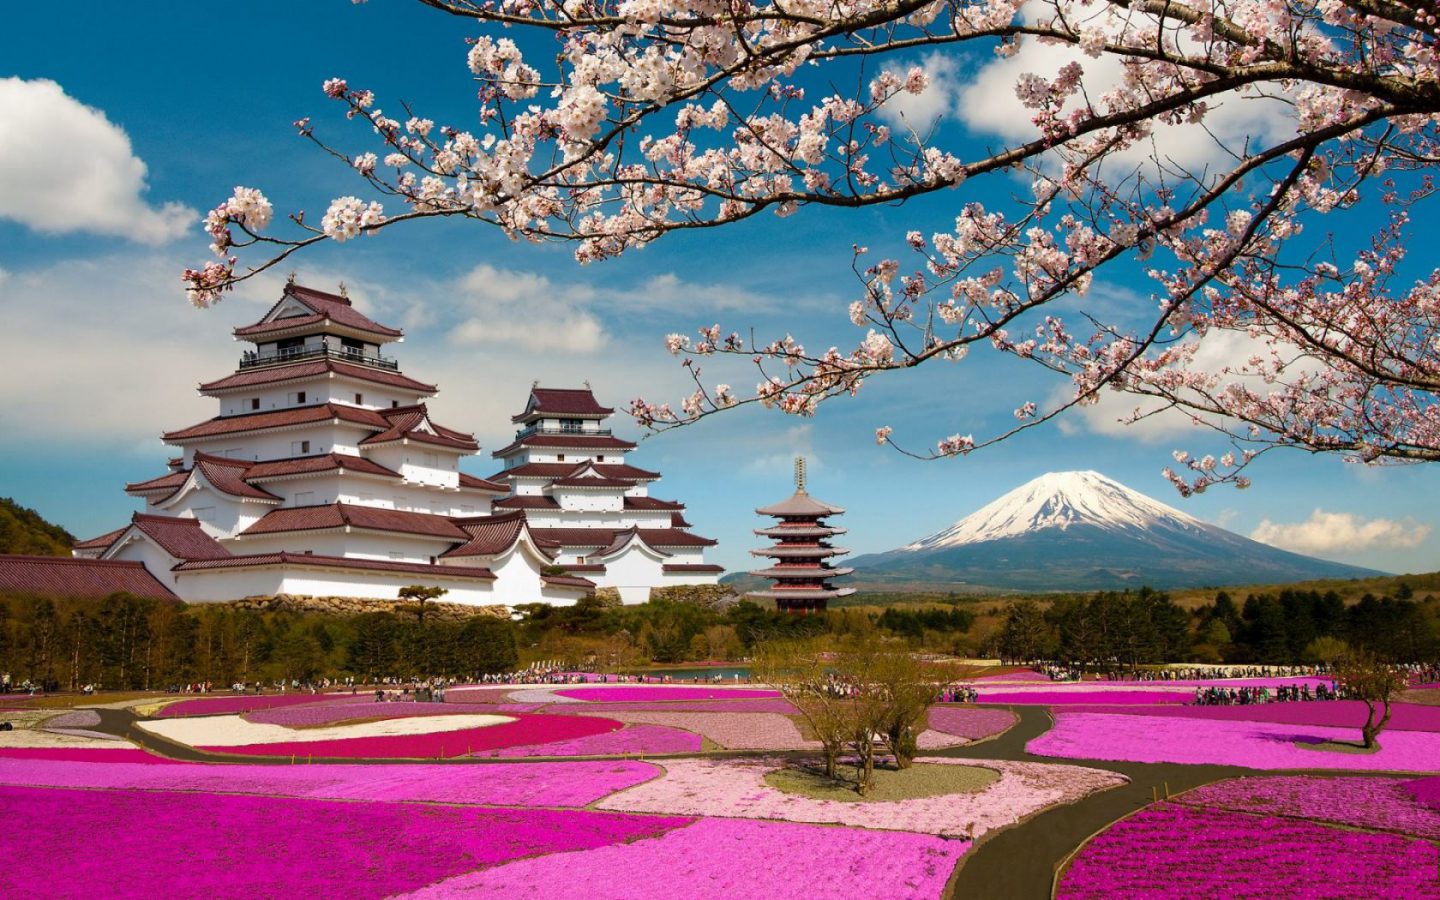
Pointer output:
x,y
340,515
181,537
280,418
405,422
562,402
63,576
323,306
311,369
566,441
560,470
800,504
336,562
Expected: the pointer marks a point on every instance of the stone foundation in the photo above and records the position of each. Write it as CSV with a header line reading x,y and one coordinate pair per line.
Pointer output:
x,y
435,610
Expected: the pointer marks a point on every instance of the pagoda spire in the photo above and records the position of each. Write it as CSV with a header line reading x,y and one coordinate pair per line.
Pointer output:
x,y
799,474
802,555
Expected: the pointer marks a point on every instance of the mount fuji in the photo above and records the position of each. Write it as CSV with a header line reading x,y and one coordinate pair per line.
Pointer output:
x,y
1083,531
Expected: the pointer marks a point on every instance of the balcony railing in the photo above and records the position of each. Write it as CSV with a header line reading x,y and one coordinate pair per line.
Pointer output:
x,y
563,429
255,359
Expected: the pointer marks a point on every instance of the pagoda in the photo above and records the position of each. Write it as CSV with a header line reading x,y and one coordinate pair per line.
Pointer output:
x,y
324,473
802,552
567,473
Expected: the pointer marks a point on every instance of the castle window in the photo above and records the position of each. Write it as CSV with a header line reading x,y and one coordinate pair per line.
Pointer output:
x,y
359,399
204,513
254,402
299,448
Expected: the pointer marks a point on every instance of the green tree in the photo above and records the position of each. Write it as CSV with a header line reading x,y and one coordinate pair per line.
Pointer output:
x,y
420,595
1376,683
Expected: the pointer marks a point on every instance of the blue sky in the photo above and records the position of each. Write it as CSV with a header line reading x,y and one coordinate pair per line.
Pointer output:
x,y
106,352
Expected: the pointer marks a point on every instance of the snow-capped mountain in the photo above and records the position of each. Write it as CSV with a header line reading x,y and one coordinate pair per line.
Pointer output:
x,y
1083,531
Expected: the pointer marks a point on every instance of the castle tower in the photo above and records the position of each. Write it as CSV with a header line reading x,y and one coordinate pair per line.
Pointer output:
x,y
802,553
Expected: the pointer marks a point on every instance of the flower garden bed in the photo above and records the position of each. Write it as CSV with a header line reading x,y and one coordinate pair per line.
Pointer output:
x,y
777,705
1064,698
887,785
237,846
1331,713
733,731
1175,850
1255,745
231,704
86,755
632,739
563,784
737,788
721,859
222,732
311,716
969,722
648,693
1426,791
1376,804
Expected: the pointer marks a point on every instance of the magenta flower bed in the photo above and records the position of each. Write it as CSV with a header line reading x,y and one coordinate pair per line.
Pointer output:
x,y
1065,698
578,783
1333,713
528,728
1021,675
140,844
970,723
1171,850
630,739
1426,791
725,859
1380,804
328,714
1255,745
230,704
626,693
86,754
758,705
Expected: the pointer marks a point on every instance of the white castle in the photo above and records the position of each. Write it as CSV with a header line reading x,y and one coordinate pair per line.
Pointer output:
x,y
323,474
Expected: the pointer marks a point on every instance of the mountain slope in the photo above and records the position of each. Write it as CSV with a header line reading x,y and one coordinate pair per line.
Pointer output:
x,y
23,530
1083,531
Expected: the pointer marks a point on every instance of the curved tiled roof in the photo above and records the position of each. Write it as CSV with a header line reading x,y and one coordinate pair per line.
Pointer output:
x,y
604,537
312,369
566,441
593,482
490,535
566,581
325,462
101,542
480,484
403,422
800,504
169,483
691,568
339,515
527,502
560,470
336,562
323,305
280,418
560,402
181,537
63,576
228,477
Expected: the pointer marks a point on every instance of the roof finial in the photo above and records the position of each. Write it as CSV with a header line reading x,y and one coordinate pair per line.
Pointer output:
x,y
587,385
534,384
799,474
290,279
344,291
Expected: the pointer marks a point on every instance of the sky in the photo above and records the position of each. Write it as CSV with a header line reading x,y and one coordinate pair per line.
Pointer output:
x,y
118,133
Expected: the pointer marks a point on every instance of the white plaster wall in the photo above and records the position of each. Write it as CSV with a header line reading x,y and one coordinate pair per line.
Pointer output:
x,y
360,545
323,438
587,501
156,560
229,517
233,584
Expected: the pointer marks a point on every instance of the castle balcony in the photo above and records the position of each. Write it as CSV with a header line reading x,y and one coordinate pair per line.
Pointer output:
x,y
254,359
563,429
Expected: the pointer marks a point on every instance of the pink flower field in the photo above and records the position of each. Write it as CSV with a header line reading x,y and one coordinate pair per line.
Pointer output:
x,y
237,846
1172,850
564,784
759,705
1377,804
1254,745
723,859
86,755
643,739
969,722
1333,713
229,704
627,693
310,716
1065,698
733,731
736,788
1426,791
528,728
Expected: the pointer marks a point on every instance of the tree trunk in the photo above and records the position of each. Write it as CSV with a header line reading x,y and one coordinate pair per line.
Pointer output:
x,y
1372,728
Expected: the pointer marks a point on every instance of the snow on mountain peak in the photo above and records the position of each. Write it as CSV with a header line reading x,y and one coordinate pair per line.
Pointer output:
x,y
1059,500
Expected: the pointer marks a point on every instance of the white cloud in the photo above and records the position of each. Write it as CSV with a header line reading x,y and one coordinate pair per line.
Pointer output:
x,y
65,167
989,104
506,308
773,452
918,112
1331,532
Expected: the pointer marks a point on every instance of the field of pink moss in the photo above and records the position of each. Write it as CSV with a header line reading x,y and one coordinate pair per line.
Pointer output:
x,y
1332,713
1254,745
1171,850
564,784
762,705
643,739
221,846
310,716
230,704
1065,698
85,755
737,788
722,859
969,722
528,728
1376,804
733,731
630,693
1426,791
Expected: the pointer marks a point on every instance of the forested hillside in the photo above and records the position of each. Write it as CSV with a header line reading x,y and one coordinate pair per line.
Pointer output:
x,y
23,530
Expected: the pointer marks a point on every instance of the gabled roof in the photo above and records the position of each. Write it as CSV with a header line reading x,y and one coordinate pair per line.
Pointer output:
x,y
470,482
280,418
564,402
567,581
228,477
586,475
325,462
340,515
181,537
61,576
256,560
800,504
521,501
414,423
651,503
604,537
101,542
313,369
490,535
560,470
567,442
691,569
323,306
168,484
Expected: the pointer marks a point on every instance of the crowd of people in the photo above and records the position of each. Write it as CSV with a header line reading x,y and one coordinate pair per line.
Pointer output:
x,y
1285,693
1058,672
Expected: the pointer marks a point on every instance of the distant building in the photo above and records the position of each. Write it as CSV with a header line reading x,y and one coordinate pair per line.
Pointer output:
x,y
324,474
802,555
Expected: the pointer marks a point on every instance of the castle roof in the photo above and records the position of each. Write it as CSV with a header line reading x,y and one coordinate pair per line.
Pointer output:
x,y
181,537
692,569
280,418
560,470
228,476
310,369
306,465
323,307
800,504
605,537
490,535
480,484
102,542
62,576
565,441
342,515
256,560
562,402
414,423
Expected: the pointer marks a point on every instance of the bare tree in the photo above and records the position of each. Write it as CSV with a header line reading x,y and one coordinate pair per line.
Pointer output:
x,y
1376,683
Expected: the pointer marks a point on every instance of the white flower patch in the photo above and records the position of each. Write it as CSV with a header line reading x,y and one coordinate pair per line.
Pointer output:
x,y
235,731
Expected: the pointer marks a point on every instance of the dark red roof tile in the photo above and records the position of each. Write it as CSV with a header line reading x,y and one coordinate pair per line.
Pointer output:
x,y
561,402
228,476
480,484
324,306
567,581
179,536
527,502
60,576
404,422
169,483
311,369
691,568
304,465
101,542
336,562
565,441
339,515
604,537
280,418
560,470
490,535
